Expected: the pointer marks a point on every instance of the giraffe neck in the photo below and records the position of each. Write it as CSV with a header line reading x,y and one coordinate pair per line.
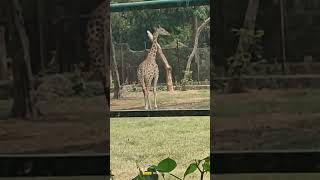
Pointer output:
x,y
154,48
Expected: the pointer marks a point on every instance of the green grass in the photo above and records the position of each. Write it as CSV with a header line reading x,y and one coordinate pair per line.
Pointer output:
x,y
149,140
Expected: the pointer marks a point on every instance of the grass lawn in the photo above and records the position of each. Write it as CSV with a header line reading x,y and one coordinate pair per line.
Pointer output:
x,y
149,140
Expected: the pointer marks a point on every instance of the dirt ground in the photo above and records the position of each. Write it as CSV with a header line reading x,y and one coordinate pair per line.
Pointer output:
x,y
267,120
257,120
191,99
68,125
77,124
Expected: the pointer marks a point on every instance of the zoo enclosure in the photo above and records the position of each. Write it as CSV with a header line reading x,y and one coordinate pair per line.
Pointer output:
x,y
223,162
33,165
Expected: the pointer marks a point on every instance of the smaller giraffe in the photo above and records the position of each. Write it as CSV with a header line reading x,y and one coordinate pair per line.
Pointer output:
x,y
148,70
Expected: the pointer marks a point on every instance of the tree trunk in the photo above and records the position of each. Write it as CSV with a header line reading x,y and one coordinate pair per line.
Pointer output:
x,y
178,62
42,42
168,70
122,65
196,56
24,94
195,46
250,19
166,65
251,14
235,85
105,71
283,37
117,87
3,55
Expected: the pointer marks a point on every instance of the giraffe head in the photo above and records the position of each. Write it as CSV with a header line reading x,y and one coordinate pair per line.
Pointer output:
x,y
161,31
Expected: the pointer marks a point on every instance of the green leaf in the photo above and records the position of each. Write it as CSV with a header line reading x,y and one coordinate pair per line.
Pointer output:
x,y
166,165
152,168
206,166
207,159
191,169
139,177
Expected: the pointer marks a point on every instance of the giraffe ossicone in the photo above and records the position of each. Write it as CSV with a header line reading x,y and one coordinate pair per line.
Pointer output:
x,y
148,70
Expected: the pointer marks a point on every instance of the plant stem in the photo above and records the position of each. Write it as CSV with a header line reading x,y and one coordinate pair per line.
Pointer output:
x,y
201,177
201,172
175,176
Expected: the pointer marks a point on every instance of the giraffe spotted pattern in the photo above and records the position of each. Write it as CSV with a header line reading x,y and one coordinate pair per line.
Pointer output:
x,y
98,21
148,70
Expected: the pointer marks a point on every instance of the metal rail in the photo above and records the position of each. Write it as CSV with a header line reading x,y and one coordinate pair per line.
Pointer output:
x,y
161,113
156,4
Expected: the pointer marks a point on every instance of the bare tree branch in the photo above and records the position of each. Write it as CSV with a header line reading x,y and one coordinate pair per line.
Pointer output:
x,y
195,46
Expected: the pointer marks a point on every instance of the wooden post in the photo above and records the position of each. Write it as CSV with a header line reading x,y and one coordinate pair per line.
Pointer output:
x,y
178,61
122,64
3,55
197,59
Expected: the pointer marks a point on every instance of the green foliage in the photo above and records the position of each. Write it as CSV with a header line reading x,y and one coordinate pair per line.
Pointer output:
x,y
249,50
168,165
187,80
131,27
201,12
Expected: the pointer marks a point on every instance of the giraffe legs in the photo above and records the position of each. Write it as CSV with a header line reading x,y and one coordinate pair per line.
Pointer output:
x,y
155,81
145,94
148,98
146,90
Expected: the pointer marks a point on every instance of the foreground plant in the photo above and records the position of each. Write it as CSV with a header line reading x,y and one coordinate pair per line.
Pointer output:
x,y
166,166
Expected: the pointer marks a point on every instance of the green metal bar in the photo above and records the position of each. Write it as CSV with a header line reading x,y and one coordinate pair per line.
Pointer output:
x,y
156,4
161,113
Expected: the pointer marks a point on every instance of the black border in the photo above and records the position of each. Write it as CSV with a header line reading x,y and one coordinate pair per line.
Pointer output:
x,y
33,165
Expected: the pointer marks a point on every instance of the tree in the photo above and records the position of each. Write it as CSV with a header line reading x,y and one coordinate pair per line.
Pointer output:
x,y
106,68
117,87
195,47
242,57
24,93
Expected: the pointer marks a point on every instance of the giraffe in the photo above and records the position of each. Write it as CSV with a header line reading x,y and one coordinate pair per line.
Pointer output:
x,y
97,36
148,70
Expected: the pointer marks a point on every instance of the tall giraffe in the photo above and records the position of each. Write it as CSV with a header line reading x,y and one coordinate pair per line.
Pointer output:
x,y
98,33
148,70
